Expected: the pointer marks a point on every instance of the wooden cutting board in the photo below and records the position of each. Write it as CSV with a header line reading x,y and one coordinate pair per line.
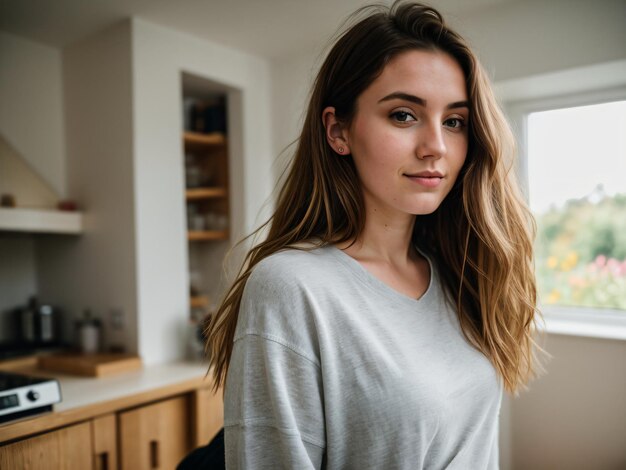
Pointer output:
x,y
90,365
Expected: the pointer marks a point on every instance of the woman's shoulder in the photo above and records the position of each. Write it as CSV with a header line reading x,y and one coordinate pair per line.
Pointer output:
x,y
277,299
293,266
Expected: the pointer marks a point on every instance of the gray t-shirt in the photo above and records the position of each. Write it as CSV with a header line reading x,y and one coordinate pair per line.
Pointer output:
x,y
332,368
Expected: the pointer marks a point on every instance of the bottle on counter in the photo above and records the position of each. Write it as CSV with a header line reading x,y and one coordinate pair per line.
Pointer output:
x,y
89,333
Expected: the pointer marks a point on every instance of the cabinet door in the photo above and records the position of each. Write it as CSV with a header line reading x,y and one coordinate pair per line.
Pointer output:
x,y
68,448
104,443
155,436
208,414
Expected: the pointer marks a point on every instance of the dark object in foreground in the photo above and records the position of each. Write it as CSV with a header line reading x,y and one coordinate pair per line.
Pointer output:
x,y
210,456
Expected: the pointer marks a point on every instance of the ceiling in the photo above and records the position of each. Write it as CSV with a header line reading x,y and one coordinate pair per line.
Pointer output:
x,y
267,28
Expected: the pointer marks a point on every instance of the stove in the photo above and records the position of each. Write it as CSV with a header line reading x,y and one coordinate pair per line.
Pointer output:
x,y
22,395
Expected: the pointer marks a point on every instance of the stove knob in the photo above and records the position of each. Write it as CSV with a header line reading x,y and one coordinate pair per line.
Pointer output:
x,y
32,395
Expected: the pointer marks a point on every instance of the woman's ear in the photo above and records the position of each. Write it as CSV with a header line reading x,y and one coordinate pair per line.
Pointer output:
x,y
336,134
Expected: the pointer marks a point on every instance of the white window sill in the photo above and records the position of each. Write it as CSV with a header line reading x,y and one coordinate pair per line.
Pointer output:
x,y
577,321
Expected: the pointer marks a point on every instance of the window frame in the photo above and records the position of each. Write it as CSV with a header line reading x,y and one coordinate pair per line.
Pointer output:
x,y
596,84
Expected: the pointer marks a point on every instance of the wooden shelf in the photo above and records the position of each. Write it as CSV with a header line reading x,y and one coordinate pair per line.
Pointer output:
x,y
207,235
198,301
41,221
205,193
209,140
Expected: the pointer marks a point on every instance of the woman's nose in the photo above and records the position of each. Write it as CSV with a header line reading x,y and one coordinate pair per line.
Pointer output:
x,y
430,142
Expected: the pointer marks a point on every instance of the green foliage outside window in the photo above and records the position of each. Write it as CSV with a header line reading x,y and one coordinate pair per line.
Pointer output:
x,y
581,254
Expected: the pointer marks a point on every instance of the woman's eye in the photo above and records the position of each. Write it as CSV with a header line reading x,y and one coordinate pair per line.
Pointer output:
x,y
455,123
402,116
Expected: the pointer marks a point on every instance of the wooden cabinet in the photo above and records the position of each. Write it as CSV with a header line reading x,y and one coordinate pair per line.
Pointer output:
x,y
155,435
69,448
210,407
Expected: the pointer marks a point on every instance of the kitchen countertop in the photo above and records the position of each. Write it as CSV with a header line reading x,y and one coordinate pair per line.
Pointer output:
x,y
81,391
87,397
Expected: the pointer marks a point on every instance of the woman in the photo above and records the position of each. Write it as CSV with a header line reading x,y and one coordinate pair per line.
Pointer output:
x,y
394,296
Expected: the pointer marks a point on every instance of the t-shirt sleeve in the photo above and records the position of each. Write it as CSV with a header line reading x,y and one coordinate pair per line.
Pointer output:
x,y
273,404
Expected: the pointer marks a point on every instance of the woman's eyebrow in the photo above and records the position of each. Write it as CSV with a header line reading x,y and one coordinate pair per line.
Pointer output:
x,y
399,95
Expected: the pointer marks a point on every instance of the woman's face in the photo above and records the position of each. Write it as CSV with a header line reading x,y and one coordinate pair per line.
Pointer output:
x,y
409,135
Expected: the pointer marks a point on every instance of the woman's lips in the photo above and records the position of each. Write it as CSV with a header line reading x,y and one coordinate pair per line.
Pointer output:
x,y
427,181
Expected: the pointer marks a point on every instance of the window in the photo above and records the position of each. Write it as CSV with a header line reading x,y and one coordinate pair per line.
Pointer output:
x,y
572,176
576,169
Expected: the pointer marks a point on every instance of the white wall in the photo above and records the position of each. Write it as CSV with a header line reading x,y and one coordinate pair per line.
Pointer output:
x,y
160,56
31,110
292,79
17,178
98,269
575,416
32,157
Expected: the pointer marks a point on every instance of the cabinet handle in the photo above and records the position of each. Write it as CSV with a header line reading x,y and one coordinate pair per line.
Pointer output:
x,y
154,454
103,461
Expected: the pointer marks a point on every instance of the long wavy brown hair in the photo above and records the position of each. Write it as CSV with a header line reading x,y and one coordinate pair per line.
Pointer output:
x,y
481,236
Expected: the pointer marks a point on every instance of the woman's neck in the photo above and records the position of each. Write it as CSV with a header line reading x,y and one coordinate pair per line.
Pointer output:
x,y
384,239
